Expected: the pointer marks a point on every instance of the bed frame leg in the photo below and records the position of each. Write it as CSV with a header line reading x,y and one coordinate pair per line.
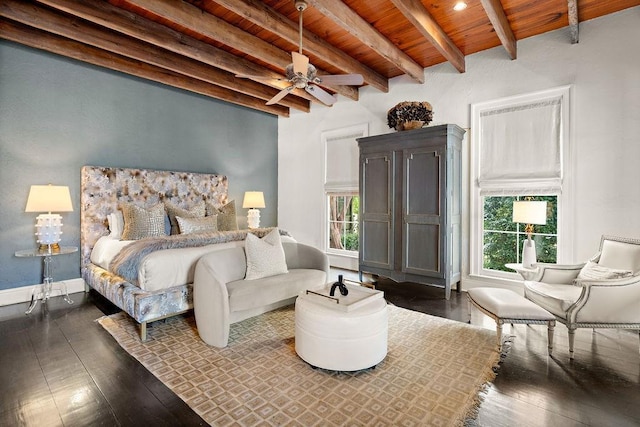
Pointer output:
x,y
143,331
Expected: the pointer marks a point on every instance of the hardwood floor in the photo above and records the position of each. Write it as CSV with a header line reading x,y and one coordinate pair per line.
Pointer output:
x,y
59,367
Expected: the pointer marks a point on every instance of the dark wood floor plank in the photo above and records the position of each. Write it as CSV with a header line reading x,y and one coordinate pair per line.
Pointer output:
x,y
131,390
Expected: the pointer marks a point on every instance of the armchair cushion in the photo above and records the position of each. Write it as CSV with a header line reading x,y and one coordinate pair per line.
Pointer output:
x,y
595,271
622,254
555,298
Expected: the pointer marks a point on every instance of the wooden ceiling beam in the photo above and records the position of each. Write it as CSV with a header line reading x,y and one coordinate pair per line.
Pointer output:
x,y
498,18
572,8
268,18
420,17
342,15
124,22
75,29
194,18
39,39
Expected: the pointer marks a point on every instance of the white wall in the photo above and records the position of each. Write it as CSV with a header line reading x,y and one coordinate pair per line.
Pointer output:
x,y
604,69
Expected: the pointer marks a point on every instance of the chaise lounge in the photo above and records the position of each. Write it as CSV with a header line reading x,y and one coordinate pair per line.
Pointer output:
x,y
222,296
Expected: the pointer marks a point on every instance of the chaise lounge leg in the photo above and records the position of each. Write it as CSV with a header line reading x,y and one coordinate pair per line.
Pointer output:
x,y
499,333
550,331
572,336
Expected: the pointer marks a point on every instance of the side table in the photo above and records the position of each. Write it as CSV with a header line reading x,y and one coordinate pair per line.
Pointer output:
x,y
526,272
47,288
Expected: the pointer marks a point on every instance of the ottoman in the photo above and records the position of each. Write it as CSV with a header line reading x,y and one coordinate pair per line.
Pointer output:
x,y
343,337
505,306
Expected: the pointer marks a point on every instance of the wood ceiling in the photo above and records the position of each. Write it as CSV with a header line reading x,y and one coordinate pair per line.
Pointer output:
x,y
200,45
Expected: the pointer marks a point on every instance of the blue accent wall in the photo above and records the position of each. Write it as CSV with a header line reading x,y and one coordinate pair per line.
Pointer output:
x,y
57,114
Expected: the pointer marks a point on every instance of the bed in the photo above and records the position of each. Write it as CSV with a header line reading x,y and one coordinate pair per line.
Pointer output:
x,y
104,190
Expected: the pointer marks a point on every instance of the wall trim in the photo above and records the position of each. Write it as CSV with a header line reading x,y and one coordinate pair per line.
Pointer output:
x,y
23,293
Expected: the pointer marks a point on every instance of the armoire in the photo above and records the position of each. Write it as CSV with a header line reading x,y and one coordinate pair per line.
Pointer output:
x,y
410,206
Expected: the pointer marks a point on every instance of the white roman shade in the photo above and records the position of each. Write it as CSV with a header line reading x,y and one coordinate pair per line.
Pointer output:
x,y
341,158
521,148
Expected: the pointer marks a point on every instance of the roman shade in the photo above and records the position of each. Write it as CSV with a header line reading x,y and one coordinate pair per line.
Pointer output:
x,y
521,148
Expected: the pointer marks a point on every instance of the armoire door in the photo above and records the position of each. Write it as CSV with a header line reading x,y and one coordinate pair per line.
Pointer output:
x,y
423,211
376,210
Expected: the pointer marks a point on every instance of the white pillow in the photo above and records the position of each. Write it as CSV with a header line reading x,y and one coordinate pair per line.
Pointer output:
x,y
265,257
116,224
105,249
594,271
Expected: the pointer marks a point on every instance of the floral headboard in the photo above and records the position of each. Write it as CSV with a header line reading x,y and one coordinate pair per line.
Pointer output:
x,y
102,189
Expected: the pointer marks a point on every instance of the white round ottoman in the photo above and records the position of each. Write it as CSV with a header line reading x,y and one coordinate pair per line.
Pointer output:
x,y
338,340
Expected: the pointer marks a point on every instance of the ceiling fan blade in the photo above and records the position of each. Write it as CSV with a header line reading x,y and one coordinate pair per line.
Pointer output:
x,y
300,63
322,95
280,95
340,79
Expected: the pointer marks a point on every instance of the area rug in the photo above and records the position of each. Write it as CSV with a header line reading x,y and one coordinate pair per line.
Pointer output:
x,y
434,372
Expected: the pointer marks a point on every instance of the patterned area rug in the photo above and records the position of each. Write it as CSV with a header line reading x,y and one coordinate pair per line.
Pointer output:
x,y
434,372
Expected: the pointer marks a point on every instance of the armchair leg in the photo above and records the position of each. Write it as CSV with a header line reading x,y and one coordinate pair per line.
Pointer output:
x,y
572,336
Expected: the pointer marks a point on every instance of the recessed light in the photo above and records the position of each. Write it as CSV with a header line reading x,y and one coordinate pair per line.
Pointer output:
x,y
460,6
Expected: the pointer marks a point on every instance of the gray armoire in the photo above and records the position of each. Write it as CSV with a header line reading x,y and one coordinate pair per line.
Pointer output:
x,y
410,205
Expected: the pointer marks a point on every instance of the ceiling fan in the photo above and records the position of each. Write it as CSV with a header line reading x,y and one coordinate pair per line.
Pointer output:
x,y
302,75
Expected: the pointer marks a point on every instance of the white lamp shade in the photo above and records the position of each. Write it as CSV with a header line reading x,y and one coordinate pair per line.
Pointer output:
x,y
530,212
253,200
49,198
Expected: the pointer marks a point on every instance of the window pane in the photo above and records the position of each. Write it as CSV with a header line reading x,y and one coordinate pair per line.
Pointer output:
x,y
499,249
502,238
498,214
546,248
343,222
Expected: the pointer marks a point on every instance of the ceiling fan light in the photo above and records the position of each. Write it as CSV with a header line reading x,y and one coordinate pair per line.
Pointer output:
x,y
460,6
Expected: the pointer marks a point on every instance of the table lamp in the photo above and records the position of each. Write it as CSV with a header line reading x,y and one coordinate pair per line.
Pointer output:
x,y
49,198
529,212
252,201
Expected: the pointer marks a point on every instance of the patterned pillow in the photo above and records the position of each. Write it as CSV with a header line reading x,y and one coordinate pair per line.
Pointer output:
x,y
227,220
196,211
594,271
142,222
265,257
205,224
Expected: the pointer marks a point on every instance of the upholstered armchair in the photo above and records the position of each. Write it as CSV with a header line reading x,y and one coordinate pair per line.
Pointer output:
x,y
602,293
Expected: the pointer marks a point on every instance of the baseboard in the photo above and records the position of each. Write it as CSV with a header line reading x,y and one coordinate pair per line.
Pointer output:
x,y
23,294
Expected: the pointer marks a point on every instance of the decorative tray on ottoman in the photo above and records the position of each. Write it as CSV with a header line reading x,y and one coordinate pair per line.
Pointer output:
x,y
357,297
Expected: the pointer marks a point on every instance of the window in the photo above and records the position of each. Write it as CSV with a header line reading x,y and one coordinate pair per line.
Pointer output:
x,y
343,222
519,150
341,190
503,238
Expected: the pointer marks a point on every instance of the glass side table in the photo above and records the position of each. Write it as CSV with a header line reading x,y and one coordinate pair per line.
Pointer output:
x,y
48,286
527,273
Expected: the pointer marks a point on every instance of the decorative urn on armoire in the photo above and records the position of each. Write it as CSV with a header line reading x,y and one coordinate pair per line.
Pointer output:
x,y
410,205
